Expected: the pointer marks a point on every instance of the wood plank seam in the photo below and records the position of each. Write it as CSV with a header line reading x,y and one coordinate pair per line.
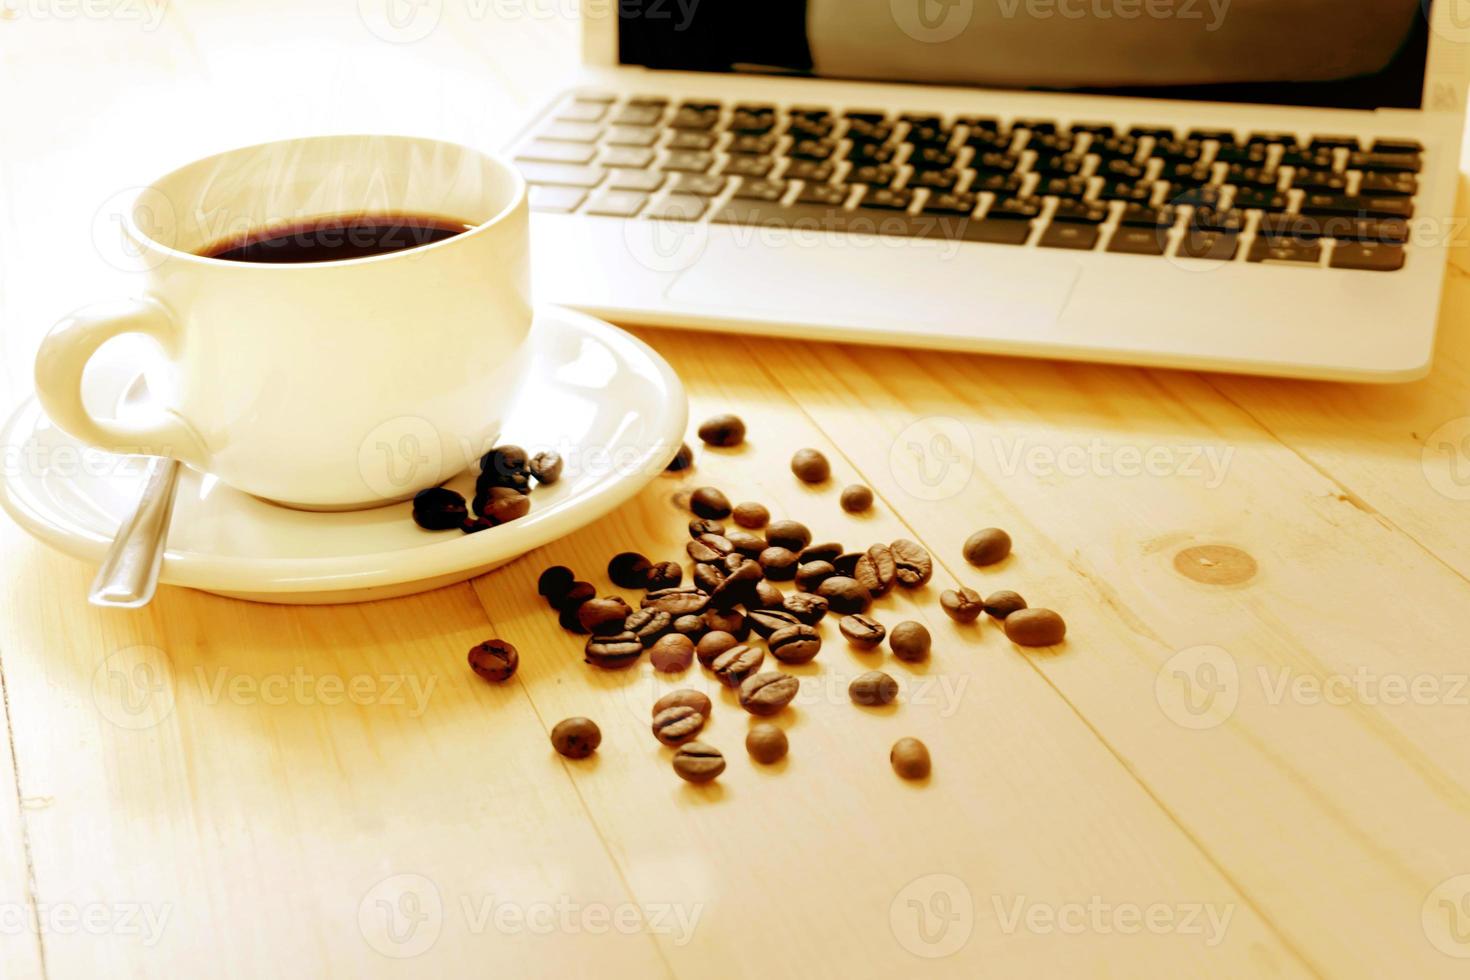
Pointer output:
x,y
25,834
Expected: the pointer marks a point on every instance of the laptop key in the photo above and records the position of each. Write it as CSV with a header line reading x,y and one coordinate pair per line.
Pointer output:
x,y
635,180
986,141
873,175
1307,159
935,180
1218,135
1137,193
1210,219
1393,231
1404,163
1115,148
929,135
760,190
871,116
678,207
702,185
1255,177
689,140
1036,125
1217,245
565,174
995,163
1286,139
688,161
632,135
1067,187
545,151
627,156
1247,199
581,111
617,204
931,158
1052,143
1367,257
1389,185
556,199
1074,236
1057,166
1079,213
953,204
1188,175
1362,207
812,170
1195,197
748,166
805,149
864,153
1178,151
887,199
811,129
752,145
1121,171
1320,181
1397,146
1139,241
638,115
1247,155
1001,185
1144,216
814,217
1333,142
828,194
1157,132
752,124
1015,209
571,132
1298,250
690,117
1096,129
863,131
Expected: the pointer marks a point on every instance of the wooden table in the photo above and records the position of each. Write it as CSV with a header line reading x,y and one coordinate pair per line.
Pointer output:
x,y
1251,756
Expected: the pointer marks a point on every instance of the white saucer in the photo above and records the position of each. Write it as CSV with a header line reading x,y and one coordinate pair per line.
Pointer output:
x,y
609,404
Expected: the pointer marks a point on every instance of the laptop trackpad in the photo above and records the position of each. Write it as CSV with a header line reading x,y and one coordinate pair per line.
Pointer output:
x,y
877,282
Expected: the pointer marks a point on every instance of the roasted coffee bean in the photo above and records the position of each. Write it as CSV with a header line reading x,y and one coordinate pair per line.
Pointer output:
x,y
730,621
691,626
489,480
1035,628
672,653
987,546
806,607
555,582
795,644
686,696
766,743
812,574
877,569
767,621
722,430
439,509
677,725
736,664
474,525
844,595
712,644
685,601
913,566
664,575
648,624
546,467
827,552
629,570
576,738
768,692
873,689
751,514
573,597
856,498
702,525
791,535
747,544
910,758
501,505
909,641
810,466
494,660
697,762
504,466
612,652
846,563
999,605
738,586
961,605
710,503
766,596
708,576
604,616
683,459
709,547
862,631
568,620
779,563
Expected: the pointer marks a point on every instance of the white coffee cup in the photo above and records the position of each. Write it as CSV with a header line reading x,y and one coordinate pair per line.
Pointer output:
x,y
323,385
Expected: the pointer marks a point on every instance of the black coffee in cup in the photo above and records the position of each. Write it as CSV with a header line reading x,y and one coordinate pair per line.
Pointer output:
x,y
336,238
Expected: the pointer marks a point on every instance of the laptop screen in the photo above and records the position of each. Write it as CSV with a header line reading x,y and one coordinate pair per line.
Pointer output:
x,y
1359,54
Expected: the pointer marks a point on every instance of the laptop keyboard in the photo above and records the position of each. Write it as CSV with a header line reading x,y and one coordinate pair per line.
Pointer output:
x,y
1280,198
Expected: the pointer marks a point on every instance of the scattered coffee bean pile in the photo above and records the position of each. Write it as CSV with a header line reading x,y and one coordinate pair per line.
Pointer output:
x,y
502,492
732,606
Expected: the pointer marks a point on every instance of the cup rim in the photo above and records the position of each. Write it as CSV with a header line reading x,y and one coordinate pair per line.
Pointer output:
x,y
517,200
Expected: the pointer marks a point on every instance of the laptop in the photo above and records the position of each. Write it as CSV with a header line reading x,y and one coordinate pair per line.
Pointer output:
x,y
1263,187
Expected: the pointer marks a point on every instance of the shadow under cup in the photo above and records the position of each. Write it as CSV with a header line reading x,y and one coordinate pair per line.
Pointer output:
x,y
350,383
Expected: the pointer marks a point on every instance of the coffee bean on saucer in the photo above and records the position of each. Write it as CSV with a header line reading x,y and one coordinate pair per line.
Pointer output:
x,y
612,652
678,724
439,509
722,430
827,551
700,526
504,466
707,502
501,505
572,598
730,621
779,563
604,616
806,607
697,762
712,644
555,582
844,595
767,621
709,548
474,525
910,758
687,697
691,626
961,605
847,562
987,546
683,601
750,514
766,743
877,569
856,498
791,535
810,466
812,574
494,660
1035,628
546,467
913,566
795,644
648,624
873,689
664,575
999,605
629,570
749,545
736,664
672,653
768,692
862,631
683,459
576,738
766,596
909,641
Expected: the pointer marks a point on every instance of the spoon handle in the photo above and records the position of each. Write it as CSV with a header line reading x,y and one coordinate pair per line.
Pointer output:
x,y
129,574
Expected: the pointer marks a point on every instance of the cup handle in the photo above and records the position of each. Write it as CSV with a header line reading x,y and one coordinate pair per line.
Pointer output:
x,y
64,355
